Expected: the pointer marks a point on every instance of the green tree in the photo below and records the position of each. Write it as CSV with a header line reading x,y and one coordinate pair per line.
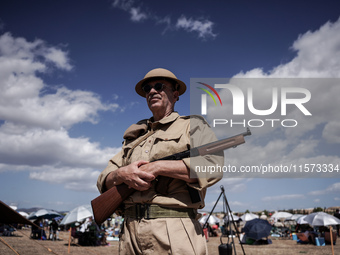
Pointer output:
x,y
317,209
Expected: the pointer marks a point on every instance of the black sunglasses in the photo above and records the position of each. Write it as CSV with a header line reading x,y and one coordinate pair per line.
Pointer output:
x,y
158,87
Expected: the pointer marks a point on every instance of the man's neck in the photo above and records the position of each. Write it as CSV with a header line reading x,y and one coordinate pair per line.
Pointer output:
x,y
158,117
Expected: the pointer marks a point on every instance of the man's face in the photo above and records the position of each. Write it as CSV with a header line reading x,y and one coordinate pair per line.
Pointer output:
x,y
161,100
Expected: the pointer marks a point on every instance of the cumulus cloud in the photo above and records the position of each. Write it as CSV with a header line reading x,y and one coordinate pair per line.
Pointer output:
x,y
78,179
331,132
317,56
61,109
20,53
332,189
137,15
283,197
23,101
314,68
203,27
35,117
133,8
59,58
35,147
315,140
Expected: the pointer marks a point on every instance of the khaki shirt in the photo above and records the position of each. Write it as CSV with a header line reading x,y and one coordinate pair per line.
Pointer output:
x,y
149,140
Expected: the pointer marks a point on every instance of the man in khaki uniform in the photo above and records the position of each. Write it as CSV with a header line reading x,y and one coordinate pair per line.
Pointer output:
x,y
162,223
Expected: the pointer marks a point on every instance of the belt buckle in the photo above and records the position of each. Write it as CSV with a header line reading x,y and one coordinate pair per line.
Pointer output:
x,y
140,211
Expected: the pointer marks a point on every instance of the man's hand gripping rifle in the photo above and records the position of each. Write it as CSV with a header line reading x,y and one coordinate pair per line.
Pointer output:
x,y
107,203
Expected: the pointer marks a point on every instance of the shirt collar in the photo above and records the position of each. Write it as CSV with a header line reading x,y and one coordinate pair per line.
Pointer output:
x,y
166,120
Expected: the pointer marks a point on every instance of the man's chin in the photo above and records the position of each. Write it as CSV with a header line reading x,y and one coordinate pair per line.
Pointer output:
x,y
154,104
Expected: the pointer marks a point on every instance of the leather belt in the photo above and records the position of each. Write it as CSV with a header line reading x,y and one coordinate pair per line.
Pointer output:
x,y
153,211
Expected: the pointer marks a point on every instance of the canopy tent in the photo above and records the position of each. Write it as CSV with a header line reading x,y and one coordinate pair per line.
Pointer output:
x,y
249,216
301,220
44,213
231,217
321,219
294,217
78,214
281,215
212,219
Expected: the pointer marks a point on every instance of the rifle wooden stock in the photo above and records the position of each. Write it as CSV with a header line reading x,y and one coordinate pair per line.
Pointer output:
x,y
107,203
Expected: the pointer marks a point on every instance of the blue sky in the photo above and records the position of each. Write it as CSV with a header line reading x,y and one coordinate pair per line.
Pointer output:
x,y
67,76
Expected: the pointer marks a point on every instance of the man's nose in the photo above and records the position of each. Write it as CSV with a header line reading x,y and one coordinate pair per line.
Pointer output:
x,y
153,91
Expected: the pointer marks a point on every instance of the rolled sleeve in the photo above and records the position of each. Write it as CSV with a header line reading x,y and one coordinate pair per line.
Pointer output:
x,y
200,134
113,165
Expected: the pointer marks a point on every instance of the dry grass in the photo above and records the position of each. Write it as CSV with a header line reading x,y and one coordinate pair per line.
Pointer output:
x,y
22,244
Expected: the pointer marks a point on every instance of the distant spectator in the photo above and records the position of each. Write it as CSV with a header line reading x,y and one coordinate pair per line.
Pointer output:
x,y
38,232
311,234
337,215
84,225
53,229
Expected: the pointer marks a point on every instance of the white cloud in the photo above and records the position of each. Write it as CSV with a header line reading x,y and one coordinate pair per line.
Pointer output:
x,y
203,27
283,197
239,204
36,118
123,4
29,57
79,179
332,189
318,56
35,147
137,15
130,6
331,132
59,58
317,61
23,100
62,109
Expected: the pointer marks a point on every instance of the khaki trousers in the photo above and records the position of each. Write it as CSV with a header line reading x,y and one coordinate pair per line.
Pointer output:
x,y
162,236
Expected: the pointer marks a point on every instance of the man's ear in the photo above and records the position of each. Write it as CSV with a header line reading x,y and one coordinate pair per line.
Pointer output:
x,y
176,95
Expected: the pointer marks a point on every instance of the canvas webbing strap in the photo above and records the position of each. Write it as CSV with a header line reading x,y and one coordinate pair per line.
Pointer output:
x,y
147,211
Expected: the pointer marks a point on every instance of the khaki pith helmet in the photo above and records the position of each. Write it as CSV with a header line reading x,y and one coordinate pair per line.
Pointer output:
x,y
160,73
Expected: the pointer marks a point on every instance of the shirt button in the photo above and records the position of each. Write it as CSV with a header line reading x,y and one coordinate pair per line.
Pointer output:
x,y
146,151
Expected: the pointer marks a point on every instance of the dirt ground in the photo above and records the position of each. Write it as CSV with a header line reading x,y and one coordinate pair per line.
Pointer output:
x,y
22,244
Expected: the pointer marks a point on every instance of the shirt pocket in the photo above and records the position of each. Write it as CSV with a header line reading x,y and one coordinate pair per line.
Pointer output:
x,y
132,151
166,144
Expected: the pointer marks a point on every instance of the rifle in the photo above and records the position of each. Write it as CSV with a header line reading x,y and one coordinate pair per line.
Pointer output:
x,y
107,203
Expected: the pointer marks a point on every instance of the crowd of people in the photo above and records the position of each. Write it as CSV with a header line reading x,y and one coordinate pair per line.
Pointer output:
x,y
304,233
88,233
45,229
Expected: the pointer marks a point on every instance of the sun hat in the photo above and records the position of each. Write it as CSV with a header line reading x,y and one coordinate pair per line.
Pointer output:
x,y
159,73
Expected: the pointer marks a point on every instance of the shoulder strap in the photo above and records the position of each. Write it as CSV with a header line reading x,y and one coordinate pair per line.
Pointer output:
x,y
136,143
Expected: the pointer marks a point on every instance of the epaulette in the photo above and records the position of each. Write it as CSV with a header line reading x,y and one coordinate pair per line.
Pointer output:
x,y
136,130
198,117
